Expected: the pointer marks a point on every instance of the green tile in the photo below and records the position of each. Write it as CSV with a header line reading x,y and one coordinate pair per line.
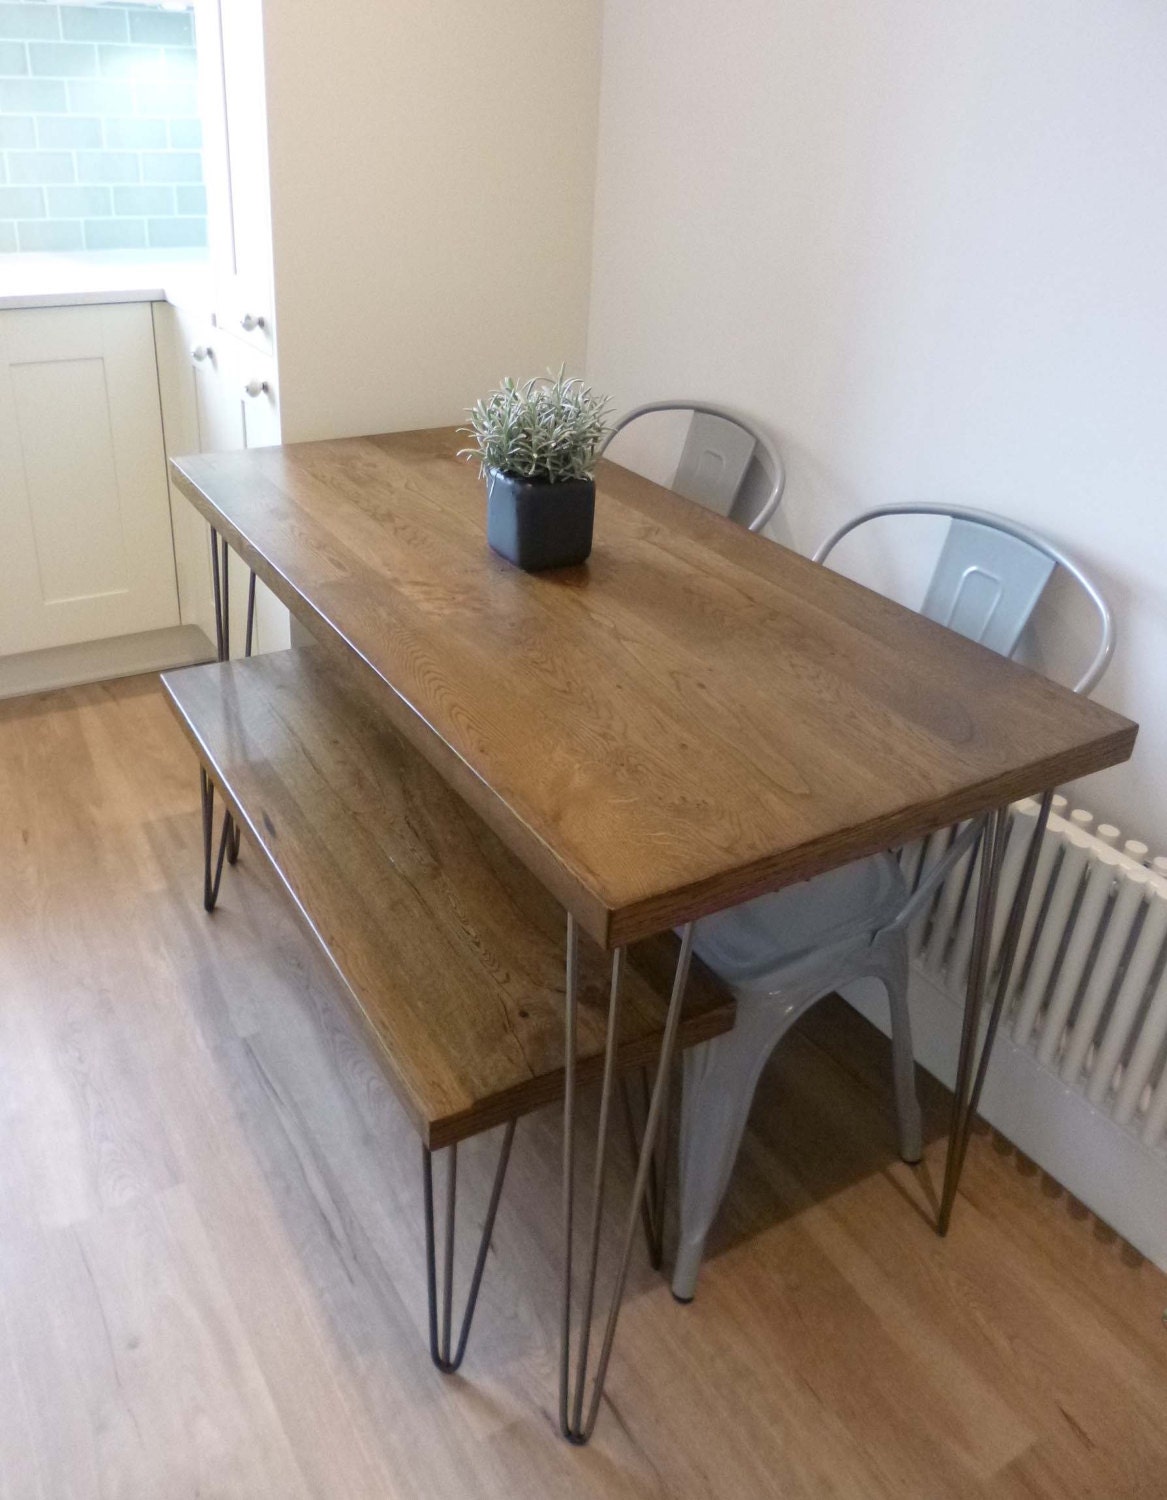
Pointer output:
x,y
107,166
172,166
40,166
177,100
90,23
131,62
115,234
62,59
7,239
186,135
22,203
17,131
49,234
65,130
79,202
170,28
135,134
191,200
18,21
13,59
154,202
32,96
100,98
177,233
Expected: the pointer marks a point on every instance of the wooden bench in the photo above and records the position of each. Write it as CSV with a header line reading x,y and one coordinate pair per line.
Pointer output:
x,y
450,953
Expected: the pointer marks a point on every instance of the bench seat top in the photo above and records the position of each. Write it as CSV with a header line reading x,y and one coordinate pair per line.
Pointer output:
x,y
450,951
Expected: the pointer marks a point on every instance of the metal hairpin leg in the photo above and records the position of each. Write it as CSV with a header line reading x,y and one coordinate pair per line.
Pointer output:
x,y
441,1329
229,840
573,1423
970,1076
248,637
212,866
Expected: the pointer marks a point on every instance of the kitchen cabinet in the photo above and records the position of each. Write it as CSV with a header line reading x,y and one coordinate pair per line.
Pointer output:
x,y
232,105
85,531
362,200
220,394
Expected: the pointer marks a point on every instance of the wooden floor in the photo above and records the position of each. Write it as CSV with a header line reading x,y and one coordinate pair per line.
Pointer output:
x,y
211,1238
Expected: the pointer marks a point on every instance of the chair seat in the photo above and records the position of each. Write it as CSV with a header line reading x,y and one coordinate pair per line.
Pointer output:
x,y
747,942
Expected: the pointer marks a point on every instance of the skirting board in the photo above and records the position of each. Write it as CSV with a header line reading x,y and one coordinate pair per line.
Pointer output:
x,y
98,661
1104,1166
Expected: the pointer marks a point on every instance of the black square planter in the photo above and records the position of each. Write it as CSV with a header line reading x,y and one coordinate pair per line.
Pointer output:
x,y
535,523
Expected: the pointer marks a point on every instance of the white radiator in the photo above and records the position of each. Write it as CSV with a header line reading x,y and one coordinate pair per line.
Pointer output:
x,y
1079,1076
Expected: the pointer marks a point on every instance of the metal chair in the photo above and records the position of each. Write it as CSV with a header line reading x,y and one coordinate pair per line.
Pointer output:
x,y
783,952
719,448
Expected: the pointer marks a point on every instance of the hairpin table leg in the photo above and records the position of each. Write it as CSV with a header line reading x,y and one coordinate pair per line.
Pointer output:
x,y
970,1075
220,582
578,1411
441,1327
212,866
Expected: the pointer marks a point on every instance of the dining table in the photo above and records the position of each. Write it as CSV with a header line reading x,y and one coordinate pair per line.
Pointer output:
x,y
694,717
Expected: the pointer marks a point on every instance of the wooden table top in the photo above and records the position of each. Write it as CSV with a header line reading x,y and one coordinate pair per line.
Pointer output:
x,y
694,716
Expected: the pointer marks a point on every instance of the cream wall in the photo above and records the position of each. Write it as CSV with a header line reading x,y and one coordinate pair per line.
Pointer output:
x,y
925,246
472,188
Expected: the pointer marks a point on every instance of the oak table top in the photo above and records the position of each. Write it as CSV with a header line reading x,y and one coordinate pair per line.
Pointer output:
x,y
695,716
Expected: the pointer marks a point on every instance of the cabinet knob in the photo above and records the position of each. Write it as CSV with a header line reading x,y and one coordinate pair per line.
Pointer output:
x,y
201,352
248,322
255,388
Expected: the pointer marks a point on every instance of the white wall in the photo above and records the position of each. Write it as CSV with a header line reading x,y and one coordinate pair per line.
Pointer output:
x,y
439,157
926,247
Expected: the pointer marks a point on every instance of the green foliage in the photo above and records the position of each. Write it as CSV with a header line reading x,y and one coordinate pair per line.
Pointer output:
x,y
546,429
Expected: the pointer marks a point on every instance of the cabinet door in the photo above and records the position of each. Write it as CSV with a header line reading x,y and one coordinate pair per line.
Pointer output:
x,y
84,517
231,394
231,75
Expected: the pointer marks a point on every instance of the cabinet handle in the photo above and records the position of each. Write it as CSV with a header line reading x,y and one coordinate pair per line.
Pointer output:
x,y
201,352
247,322
255,388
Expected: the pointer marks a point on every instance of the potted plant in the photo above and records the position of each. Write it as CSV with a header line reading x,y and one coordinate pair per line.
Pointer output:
x,y
536,446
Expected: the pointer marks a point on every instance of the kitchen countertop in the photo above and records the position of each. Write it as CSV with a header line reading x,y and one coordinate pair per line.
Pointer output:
x,y
112,276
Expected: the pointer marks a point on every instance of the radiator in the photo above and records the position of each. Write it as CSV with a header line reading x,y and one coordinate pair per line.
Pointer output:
x,y
1079,1074
1088,995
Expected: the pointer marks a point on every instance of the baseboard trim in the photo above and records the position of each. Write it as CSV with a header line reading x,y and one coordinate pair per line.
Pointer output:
x,y
1103,1165
98,661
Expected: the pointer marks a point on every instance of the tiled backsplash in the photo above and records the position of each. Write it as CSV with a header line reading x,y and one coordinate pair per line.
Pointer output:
x,y
99,129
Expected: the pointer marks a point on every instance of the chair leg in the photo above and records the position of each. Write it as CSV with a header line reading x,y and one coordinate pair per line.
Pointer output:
x,y
894,977
720,1078
652,1207
441,1327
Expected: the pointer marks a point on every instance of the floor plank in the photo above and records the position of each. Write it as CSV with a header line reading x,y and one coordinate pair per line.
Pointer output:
x,y
211,1239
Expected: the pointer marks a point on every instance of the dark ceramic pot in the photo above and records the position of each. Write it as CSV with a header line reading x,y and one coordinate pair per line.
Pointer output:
x,y
537,524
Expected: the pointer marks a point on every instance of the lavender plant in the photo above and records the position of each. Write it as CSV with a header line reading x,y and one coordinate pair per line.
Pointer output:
x,y
549,429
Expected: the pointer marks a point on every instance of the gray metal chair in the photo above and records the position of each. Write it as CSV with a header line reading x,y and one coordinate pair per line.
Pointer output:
x,y
783,952
989,576
719,448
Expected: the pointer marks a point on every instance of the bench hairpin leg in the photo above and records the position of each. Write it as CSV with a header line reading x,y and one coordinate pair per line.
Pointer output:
x,y
576,1426
441,1328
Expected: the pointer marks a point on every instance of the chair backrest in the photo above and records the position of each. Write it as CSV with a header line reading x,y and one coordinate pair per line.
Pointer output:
x,y
989,577
719,447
